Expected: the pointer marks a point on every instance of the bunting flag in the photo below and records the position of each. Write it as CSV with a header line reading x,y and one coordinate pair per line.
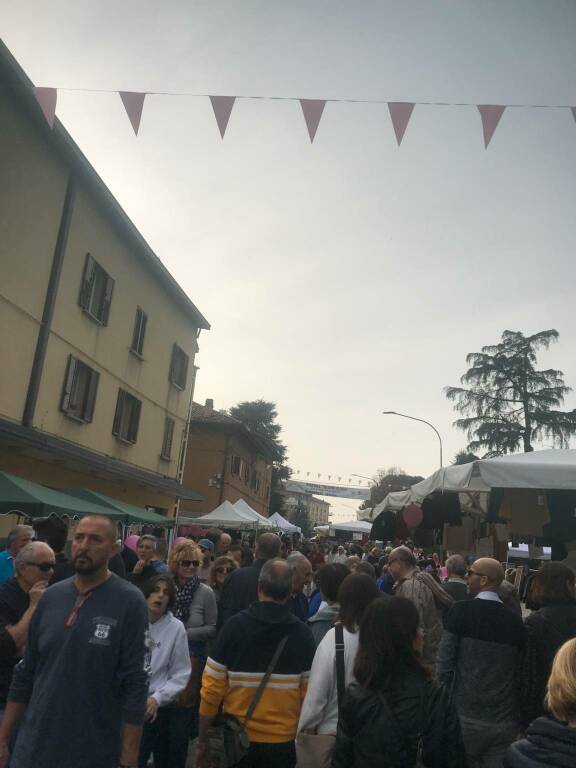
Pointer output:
x,y
400,113
490,114
312,109
222,106
133,104
46,98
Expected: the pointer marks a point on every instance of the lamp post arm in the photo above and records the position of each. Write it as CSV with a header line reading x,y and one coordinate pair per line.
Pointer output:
x,y
423,421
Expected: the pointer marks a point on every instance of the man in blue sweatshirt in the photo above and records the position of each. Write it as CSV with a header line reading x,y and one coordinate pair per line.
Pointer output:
x,y
82,685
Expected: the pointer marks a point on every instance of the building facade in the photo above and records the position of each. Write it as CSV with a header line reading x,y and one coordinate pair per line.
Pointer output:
x,y
225,462
97,340
317,510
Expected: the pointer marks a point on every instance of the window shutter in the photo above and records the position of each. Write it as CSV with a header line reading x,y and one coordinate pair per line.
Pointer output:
x,y
118,415
168,436
91,396
143,321
87,282
173,364
134,420
68,383
107,300
184,375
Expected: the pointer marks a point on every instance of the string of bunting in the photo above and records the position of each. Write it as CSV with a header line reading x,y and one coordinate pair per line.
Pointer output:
x,y
312,109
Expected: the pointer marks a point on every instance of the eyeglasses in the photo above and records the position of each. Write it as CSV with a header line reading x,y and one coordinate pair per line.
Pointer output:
x,y
188,563
224,570
44,567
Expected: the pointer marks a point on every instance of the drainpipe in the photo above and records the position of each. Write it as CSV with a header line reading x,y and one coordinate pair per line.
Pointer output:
x,y
49,305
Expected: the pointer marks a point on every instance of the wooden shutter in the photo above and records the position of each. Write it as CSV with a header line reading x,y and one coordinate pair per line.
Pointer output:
x,y
87,283
107,300
118,415
68,384
184,375
168,436
91,395
172,371
139,331
134,420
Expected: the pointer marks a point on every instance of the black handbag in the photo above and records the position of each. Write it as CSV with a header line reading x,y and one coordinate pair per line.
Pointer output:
x,y
227,739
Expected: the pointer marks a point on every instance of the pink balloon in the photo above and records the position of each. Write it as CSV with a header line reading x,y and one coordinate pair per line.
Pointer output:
x,y
132,541
412,515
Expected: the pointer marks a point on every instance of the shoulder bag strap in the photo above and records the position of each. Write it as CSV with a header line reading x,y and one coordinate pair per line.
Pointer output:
x,y
340,672
264,681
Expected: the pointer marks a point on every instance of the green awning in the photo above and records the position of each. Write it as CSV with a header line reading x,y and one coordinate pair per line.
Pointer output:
x,y
131,514
23,497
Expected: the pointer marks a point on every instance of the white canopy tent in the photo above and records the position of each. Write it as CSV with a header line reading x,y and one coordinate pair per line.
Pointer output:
x,y
549,470
245,509
352,526
284,525
225,516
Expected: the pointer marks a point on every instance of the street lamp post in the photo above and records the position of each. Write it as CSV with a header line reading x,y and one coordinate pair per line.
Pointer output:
x,y
413,418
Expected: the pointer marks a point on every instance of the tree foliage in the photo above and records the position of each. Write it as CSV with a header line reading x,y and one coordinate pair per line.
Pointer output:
x,y
464,457
300,518
506,402
259,416
387,481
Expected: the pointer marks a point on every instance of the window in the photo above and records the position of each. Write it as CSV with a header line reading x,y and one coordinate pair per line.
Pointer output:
x,y
127,417
79,394
96,291
235,465
139,332
178,367
167,441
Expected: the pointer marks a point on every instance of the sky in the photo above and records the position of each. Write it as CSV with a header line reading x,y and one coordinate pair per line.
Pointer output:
x,y
348,276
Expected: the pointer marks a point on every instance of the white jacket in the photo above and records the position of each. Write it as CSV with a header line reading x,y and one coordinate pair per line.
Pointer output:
x,y
320,706
170,659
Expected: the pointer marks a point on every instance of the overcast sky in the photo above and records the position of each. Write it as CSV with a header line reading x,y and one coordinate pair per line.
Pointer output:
x,y
349,276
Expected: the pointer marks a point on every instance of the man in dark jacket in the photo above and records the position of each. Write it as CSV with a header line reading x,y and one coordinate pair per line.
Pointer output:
x,y
243,652
241,587
480,656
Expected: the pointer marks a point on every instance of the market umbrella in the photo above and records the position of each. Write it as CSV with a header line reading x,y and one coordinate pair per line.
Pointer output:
x,y
23,497
132,514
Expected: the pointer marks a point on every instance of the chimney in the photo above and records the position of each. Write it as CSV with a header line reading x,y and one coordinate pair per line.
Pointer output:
x,y
209,404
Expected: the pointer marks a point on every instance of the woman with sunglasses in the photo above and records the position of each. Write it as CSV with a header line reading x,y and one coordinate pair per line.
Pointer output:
x,y
195,606
221,569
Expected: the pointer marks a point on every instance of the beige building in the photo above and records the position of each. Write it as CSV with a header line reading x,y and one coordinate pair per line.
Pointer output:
x,y
317,510
97,340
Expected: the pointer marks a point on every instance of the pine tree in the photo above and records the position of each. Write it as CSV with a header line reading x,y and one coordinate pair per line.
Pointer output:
x,y
507,402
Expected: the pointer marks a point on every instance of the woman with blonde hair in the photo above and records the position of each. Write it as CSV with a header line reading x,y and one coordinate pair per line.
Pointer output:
x,y
551,741
195,606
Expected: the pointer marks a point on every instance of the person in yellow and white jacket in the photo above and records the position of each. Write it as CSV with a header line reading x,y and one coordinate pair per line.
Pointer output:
x,y
238,663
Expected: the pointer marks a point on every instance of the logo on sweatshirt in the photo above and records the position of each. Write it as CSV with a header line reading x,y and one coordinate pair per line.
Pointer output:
x,y
102,631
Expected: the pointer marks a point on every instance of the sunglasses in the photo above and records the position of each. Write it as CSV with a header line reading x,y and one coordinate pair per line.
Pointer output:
x,y
44,567
188,563
224,570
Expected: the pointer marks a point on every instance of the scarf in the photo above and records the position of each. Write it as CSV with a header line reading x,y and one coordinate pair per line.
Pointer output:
x,y
184,597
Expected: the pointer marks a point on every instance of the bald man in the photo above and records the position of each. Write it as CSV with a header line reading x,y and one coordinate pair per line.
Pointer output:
x,y
480,655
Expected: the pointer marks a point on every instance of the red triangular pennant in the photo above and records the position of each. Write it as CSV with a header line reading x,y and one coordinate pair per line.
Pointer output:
x,y
312,109
46,98
222,106
490,114
400,113
133,104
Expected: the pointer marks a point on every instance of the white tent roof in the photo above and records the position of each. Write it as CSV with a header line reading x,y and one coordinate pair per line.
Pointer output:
x,y
245,509
549,470
226,515
355,526
284,525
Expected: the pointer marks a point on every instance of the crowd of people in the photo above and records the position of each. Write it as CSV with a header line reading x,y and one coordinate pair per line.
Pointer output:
x,y
274,656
